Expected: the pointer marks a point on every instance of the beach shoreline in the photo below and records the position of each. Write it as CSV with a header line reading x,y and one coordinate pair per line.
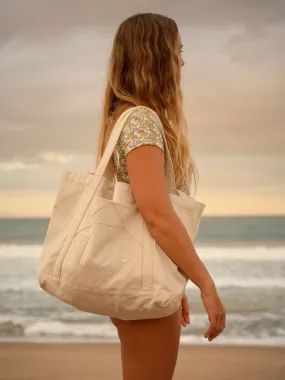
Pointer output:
x,y
78,361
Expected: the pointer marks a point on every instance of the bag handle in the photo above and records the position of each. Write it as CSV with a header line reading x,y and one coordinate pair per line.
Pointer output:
x,y
113,139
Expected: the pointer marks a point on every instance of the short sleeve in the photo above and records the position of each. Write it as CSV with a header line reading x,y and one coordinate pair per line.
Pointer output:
x,y
142,128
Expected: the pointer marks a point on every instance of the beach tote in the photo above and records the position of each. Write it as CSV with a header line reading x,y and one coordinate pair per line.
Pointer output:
x,y
98,254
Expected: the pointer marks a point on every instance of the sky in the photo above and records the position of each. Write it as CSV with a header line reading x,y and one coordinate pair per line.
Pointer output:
x,y
53,62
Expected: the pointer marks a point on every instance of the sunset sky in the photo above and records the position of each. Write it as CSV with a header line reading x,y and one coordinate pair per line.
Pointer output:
x,y
53,61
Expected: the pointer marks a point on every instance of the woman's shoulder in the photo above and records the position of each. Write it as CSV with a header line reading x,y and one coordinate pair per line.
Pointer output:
x,y
142,127
145,113
144,117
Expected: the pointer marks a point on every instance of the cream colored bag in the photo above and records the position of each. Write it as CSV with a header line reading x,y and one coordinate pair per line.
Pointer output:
x,y
98,254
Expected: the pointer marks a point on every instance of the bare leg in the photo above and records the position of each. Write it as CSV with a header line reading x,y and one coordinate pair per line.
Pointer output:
x,y
149,347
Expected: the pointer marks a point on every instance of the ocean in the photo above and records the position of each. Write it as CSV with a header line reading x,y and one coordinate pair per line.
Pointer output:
x,y
245,256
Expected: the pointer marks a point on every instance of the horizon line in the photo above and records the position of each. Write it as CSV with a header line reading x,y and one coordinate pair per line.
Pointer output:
x,y
204,216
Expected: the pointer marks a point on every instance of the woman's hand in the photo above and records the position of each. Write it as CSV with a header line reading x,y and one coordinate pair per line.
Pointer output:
x,y
185,309
216,312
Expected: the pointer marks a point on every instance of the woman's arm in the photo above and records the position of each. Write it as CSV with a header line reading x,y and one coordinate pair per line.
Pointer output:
x,y
145,166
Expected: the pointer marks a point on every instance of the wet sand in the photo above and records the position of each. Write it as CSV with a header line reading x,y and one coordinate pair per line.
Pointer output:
x,y
80,361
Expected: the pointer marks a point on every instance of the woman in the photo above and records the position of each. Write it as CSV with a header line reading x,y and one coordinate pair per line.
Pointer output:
x,y
144,71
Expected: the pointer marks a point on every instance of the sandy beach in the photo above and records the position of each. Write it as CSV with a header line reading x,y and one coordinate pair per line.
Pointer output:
x,y
76,361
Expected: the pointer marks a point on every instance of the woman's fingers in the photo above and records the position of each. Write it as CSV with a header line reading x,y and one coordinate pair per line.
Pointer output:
x,y
186,317
216,313
183,319
219,330
185,311
217,325
221,322
212,328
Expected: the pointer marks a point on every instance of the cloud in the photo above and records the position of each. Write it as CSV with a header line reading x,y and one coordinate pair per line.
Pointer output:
x,y
50,94
43,16
34,174
52,157
259,46
16,165
235,104
12,126
30,163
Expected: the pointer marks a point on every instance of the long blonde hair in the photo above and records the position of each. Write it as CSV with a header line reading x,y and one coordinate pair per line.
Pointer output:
x,y
144,70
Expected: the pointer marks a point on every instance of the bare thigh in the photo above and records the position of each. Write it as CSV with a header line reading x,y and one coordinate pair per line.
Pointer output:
x,y
149,347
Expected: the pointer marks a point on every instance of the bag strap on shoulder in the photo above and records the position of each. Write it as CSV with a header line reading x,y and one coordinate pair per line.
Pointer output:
x,y
111,144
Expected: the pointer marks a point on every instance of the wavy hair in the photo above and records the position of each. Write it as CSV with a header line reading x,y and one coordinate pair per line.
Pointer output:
x,y
144,71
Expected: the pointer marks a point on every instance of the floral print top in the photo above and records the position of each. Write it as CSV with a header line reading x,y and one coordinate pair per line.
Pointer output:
x,y
142,128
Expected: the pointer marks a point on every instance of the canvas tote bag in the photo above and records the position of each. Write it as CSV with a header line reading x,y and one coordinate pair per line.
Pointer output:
x,y
98,254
